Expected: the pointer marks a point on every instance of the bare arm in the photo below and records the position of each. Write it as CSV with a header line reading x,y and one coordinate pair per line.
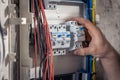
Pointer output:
x,y
111,64
100,47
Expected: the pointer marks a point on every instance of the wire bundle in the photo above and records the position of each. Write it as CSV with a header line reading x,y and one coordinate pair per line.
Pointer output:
x,y
42,41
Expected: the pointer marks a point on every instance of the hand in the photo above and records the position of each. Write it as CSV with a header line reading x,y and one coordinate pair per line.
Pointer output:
x,y
99,46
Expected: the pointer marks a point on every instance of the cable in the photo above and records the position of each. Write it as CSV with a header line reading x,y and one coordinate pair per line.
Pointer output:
x,y
35,42
42,41
40,37
49,46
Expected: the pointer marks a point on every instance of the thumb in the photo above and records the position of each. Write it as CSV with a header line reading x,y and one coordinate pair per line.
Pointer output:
x,y
84,51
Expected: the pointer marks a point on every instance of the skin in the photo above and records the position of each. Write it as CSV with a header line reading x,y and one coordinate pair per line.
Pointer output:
x,y
99,47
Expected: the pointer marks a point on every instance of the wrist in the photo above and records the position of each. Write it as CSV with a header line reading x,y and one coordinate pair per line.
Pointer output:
x,y
109,52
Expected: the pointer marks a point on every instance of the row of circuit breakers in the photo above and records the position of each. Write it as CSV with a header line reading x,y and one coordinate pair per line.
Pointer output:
x,y
66,37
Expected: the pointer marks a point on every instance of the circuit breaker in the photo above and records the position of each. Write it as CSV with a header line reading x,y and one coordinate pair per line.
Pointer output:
x,y
66,37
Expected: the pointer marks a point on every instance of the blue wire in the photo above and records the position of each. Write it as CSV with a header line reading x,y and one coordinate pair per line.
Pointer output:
x,y
89,58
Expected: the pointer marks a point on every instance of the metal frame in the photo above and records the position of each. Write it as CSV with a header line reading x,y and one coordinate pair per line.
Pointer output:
x,y
25,60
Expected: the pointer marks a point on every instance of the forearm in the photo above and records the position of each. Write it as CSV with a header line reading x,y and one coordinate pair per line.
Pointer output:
x,y
111,64
100,47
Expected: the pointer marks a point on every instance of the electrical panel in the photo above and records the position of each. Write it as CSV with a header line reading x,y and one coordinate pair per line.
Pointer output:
x,y
17,38
66,36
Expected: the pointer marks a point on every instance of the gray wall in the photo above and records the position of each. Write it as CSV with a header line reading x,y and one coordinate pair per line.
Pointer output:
x,y
109,11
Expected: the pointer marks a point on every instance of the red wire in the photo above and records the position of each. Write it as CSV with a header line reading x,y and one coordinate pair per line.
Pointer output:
x,y
35,42
49,45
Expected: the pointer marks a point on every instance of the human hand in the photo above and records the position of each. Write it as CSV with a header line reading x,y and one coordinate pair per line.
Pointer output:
x,y
99,46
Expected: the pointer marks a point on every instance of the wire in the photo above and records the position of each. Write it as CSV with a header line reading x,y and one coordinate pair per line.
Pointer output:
x,y
48,45
93,20
42,41
35,41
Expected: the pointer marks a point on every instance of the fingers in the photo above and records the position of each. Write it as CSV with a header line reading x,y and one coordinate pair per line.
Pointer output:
x,y
87,24
84,51
81,21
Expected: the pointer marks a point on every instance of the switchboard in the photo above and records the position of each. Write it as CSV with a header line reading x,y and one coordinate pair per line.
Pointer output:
x,y
37,38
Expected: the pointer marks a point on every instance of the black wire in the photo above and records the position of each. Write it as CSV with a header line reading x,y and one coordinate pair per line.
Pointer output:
x,y
36,8
42,37
40,26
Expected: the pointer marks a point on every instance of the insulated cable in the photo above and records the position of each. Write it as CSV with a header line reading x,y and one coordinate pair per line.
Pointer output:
x,y
35,40
49,51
